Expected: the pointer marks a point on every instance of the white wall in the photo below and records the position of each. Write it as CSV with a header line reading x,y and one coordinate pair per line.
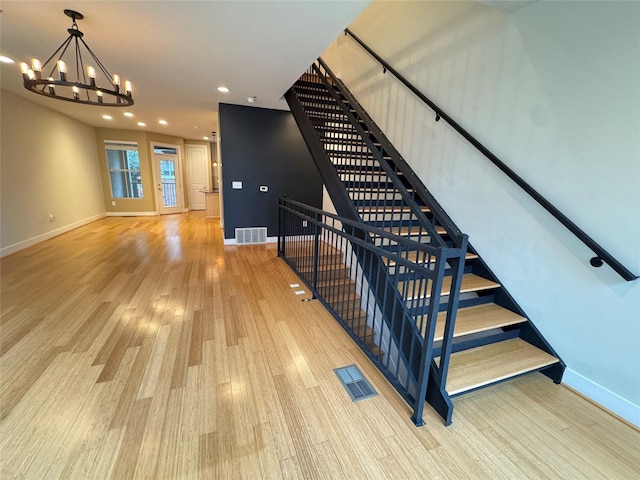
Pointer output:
x,y
49,165
552,89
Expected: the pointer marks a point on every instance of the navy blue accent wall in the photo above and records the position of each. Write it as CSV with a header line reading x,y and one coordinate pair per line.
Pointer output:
x,y
261,146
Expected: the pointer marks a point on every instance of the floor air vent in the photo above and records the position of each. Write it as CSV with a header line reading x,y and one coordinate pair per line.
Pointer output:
x,y
249,236
354,383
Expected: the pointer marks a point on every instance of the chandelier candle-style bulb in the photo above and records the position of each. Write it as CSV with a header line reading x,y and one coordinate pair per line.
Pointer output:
x,y
36,66
24,68
62,68
99,94
92,75
52,89
76,93
127,87
116,81
31,74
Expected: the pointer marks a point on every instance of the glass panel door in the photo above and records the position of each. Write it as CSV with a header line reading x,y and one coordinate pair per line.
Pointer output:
x,y
168,179
167,174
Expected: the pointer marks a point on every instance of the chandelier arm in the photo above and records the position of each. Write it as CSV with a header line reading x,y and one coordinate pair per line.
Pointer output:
x,y
80,66
97,60
64,44
62,47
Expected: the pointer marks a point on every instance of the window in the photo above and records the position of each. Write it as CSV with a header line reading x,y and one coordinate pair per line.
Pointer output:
x,y
165,150
124,169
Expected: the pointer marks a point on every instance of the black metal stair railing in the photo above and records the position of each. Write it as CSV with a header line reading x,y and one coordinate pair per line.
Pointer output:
x,y
601,255
336,259
360,167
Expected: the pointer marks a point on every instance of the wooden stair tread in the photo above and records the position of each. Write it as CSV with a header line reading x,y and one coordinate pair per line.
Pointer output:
x,y
476,319
335,296
328,274
335,282
413,256
323,267
360,330
470,283
376,191
488,364
392,209
351,315
414,231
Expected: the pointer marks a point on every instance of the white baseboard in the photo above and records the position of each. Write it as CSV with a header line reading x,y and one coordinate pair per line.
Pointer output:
x,y
131,214
606,398
16,247
232,241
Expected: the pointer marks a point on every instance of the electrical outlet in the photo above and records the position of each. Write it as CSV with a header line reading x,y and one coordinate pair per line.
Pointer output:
x,y
51,218
113,204
304,223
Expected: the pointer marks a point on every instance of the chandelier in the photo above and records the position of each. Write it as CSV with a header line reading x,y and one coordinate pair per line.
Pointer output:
x,y
84,87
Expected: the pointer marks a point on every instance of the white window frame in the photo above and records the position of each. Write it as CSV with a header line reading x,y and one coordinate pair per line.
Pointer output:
x,y
122,146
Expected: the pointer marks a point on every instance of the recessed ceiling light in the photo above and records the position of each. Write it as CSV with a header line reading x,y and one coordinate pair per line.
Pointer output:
x,y
163,122
4,59
223,89
205,138
107,117
128,114
142,124
196,127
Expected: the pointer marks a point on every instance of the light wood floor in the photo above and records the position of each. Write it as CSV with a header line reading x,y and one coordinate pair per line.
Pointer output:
x,y
143,348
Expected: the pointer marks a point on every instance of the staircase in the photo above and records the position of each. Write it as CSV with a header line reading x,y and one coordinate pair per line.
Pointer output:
x,y
488,338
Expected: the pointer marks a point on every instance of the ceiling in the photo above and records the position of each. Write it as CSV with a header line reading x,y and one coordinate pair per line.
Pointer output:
x,y
176,53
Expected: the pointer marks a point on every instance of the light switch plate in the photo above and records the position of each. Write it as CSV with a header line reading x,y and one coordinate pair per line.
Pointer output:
x,y
264,188
236,185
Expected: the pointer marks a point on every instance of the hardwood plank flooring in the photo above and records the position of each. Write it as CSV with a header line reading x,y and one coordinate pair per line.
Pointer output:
x,y
144,348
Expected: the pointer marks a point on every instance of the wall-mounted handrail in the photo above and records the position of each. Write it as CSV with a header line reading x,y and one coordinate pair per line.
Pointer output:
x,y
601,254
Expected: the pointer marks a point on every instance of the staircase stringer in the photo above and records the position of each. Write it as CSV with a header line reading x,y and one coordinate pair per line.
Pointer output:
x,y
418,186
378,152
341,201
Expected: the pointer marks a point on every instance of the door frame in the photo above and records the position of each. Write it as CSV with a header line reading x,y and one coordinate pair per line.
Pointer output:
x,y
156,176
208,172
